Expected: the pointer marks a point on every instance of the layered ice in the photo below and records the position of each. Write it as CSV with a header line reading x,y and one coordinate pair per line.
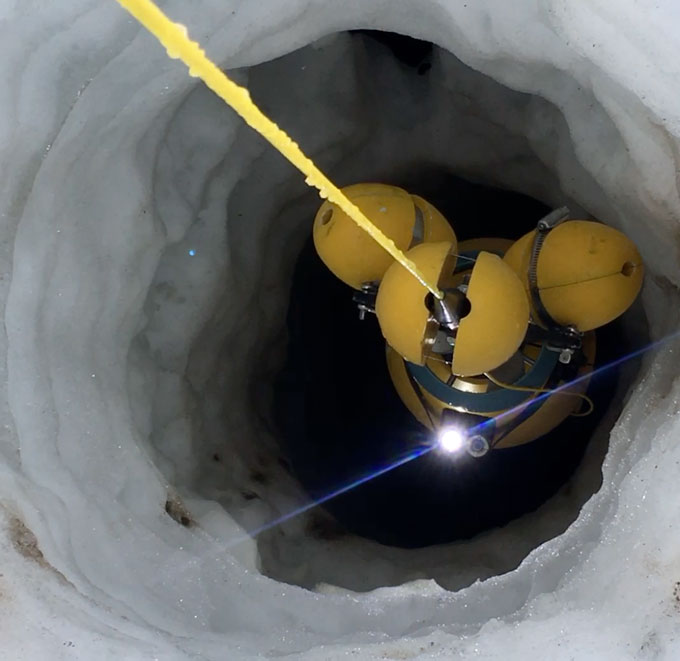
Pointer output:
x,y
147,247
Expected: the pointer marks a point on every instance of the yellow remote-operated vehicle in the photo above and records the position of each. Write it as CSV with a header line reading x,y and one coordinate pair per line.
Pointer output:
x,y
505,356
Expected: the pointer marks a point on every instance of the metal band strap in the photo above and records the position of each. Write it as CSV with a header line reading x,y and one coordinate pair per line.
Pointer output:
x,y
486,402
418,233
419,394
545,225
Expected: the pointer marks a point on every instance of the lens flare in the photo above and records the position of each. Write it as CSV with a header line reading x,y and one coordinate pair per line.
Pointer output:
x,y
451,440
448,438
652,346
334,494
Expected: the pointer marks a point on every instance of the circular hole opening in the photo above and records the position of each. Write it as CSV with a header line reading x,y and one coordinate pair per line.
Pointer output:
x,y
326,217
456,301
628,269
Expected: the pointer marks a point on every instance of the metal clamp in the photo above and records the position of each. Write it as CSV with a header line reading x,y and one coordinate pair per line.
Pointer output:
x,y
543,228
365,299
553,219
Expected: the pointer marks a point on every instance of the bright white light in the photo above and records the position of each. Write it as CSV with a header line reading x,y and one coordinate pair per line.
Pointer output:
x,y
451,440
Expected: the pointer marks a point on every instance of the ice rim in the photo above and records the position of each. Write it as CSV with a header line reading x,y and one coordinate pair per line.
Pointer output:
x,y
87,224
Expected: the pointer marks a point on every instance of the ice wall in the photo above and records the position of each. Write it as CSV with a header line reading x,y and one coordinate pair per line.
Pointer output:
x,y
113,330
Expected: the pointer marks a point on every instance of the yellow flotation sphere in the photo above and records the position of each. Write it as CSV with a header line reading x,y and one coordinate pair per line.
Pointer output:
x,y
400,305
497,322
351,254
587,273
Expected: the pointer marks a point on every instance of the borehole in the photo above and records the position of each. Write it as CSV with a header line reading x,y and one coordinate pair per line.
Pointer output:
x,y
450,135
128,170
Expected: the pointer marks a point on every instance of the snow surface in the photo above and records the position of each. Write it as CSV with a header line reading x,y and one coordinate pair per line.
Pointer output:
x,y
147,244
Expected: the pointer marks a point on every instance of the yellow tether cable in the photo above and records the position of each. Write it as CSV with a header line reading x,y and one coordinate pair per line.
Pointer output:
x,y
173,36
508,386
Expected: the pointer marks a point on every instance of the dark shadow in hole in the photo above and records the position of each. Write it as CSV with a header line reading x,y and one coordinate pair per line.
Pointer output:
x,y
341,418
414,53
